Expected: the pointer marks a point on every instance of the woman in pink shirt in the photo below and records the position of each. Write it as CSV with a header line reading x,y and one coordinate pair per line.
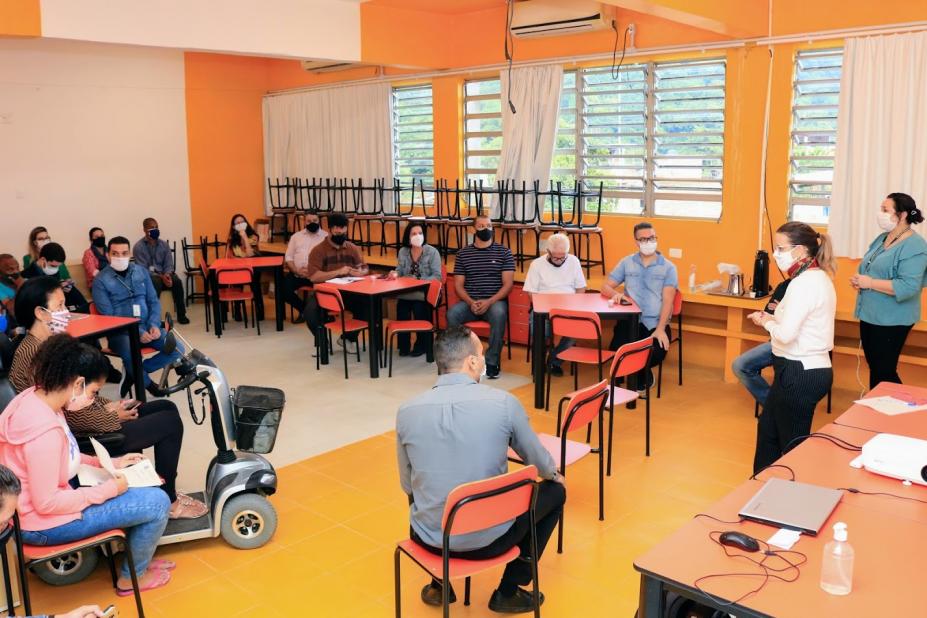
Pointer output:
x,y
95,258
36,444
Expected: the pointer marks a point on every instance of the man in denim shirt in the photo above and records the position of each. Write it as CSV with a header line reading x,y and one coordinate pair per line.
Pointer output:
x,y
650,280
125,289
154,255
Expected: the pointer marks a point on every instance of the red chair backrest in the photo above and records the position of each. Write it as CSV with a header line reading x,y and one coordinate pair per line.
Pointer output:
x,y
234,276
575,324
329,298
632,357
483,504
93,309
677,302
584,406
434,293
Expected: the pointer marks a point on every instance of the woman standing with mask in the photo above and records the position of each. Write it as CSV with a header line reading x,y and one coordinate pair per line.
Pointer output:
x,y
95,259
801,330
422,261
888,285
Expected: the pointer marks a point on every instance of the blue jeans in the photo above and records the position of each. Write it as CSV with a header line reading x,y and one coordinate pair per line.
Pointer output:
x,y
565,343
748,367
497,315
120,345
141,512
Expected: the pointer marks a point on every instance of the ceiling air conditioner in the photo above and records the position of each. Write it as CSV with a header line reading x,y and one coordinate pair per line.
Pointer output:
x,y
535,18
328,66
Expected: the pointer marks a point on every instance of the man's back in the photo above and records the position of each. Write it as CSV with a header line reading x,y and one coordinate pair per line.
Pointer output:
x,y
459,432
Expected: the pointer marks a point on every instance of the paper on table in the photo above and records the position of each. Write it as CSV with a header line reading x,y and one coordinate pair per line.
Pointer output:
x,y
892,406
141,474
784,538
344,280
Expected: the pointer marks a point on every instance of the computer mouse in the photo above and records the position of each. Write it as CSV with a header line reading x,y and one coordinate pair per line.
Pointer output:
x,y
739,540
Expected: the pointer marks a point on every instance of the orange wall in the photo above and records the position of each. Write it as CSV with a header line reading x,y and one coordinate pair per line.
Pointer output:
x,y
20,18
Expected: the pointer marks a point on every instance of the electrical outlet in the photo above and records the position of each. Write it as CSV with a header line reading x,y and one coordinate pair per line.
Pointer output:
x,y
675,253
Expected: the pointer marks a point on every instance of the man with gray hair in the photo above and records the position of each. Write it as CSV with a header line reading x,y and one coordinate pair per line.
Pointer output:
x,y
460,432
557,272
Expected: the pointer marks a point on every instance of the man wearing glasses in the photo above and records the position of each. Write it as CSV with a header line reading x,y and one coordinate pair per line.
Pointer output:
x,y
650,280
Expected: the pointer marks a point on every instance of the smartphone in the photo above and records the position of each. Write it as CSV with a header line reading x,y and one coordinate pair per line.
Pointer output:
x,y
110,612
624,301
386,276
130,404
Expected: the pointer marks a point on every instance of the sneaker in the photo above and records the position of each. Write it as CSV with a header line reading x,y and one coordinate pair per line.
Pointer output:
x,y
431,594
155,391
492,371
555,370
349,346
519,603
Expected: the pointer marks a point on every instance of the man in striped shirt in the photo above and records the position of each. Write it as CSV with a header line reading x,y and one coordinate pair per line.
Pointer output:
x,y
483,276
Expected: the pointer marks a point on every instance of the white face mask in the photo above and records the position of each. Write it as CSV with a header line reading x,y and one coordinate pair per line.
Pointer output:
x,y
648,247
241,227
42,243
50,270
886,220
59,320
119,263
784,260
79,402
416,240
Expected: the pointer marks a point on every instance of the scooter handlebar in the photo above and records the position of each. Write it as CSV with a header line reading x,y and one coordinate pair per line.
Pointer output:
x,y
186,382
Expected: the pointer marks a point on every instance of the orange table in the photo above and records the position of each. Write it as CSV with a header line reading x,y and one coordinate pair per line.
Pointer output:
x,y
375,289
93,326
913,424
542,304
273,262
888,534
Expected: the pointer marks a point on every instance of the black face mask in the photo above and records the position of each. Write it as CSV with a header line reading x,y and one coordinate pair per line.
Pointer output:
x,y
338,239
556,264
312,227
484,234
99,242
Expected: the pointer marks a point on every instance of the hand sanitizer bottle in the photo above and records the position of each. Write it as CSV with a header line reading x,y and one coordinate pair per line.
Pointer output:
x,y
692,278
837,565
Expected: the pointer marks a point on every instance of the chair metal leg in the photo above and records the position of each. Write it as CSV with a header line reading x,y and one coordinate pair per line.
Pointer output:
x,y
547,401
397,586
601,472
756,409
647,413
611,423
679,360
135,587
344,354
659,379
467,591
829,392
390,348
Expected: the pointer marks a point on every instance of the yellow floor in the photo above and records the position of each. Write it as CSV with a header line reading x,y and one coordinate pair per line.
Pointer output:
x,y
342,512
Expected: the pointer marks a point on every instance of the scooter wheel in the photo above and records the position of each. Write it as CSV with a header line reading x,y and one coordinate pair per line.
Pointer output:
x,y
68,569
248,521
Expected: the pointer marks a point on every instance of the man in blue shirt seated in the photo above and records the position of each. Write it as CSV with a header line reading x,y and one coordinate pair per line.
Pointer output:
x,y
125,289
650,280
460,432
10,281
154,255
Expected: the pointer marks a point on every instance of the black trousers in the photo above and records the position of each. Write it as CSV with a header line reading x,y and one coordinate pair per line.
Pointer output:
x,y
413,309
176,288
789,408
549,506
623,335
158,425
354,303
882,346
290,284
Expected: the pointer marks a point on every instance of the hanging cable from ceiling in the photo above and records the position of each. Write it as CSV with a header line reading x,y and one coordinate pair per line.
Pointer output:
x,y
509,45
616,67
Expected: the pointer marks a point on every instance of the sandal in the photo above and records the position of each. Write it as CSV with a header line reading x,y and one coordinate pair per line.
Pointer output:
x,y
162,564
158,581
193,509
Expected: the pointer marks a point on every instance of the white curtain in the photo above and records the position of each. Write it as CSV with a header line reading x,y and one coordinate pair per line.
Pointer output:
x,y
335,132
881,134
528,135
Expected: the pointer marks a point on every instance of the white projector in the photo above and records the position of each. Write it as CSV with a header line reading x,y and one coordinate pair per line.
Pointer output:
x,y
898,457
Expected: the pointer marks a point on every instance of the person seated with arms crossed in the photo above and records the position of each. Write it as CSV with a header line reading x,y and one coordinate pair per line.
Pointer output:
x,y
421,261
558,272
336,256
48,264
650,280
125,289
460,432
154,255
801,330
37,445
95,258
242,242
483,276
10,489
297,260
40,309
749,366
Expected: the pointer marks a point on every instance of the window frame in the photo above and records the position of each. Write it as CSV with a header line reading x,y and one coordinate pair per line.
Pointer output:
x,y
395,116
475,173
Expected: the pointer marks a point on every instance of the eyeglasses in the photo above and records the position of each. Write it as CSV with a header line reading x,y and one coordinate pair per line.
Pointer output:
x,y
780,249
646,239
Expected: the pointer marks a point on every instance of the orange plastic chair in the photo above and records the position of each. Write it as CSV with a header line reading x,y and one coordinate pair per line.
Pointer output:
x,y
630,358
482,328
37,555
472,507
677,313
577,325
237,290
585,407
329,299
433,297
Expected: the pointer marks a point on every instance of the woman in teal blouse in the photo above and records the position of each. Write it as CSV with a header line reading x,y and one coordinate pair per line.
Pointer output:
x,y
889,284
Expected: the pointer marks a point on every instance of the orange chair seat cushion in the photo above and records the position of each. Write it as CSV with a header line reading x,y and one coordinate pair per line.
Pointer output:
x,y
233,295
350,325
577,354
408,326
574,450
458,566
39,552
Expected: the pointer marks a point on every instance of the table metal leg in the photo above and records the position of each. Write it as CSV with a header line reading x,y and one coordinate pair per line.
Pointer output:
x,y
537,355
652,598
216,303
279,309
135,350
375,307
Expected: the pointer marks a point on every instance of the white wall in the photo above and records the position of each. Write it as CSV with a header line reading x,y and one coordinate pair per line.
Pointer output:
x,y
323,29
90,135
